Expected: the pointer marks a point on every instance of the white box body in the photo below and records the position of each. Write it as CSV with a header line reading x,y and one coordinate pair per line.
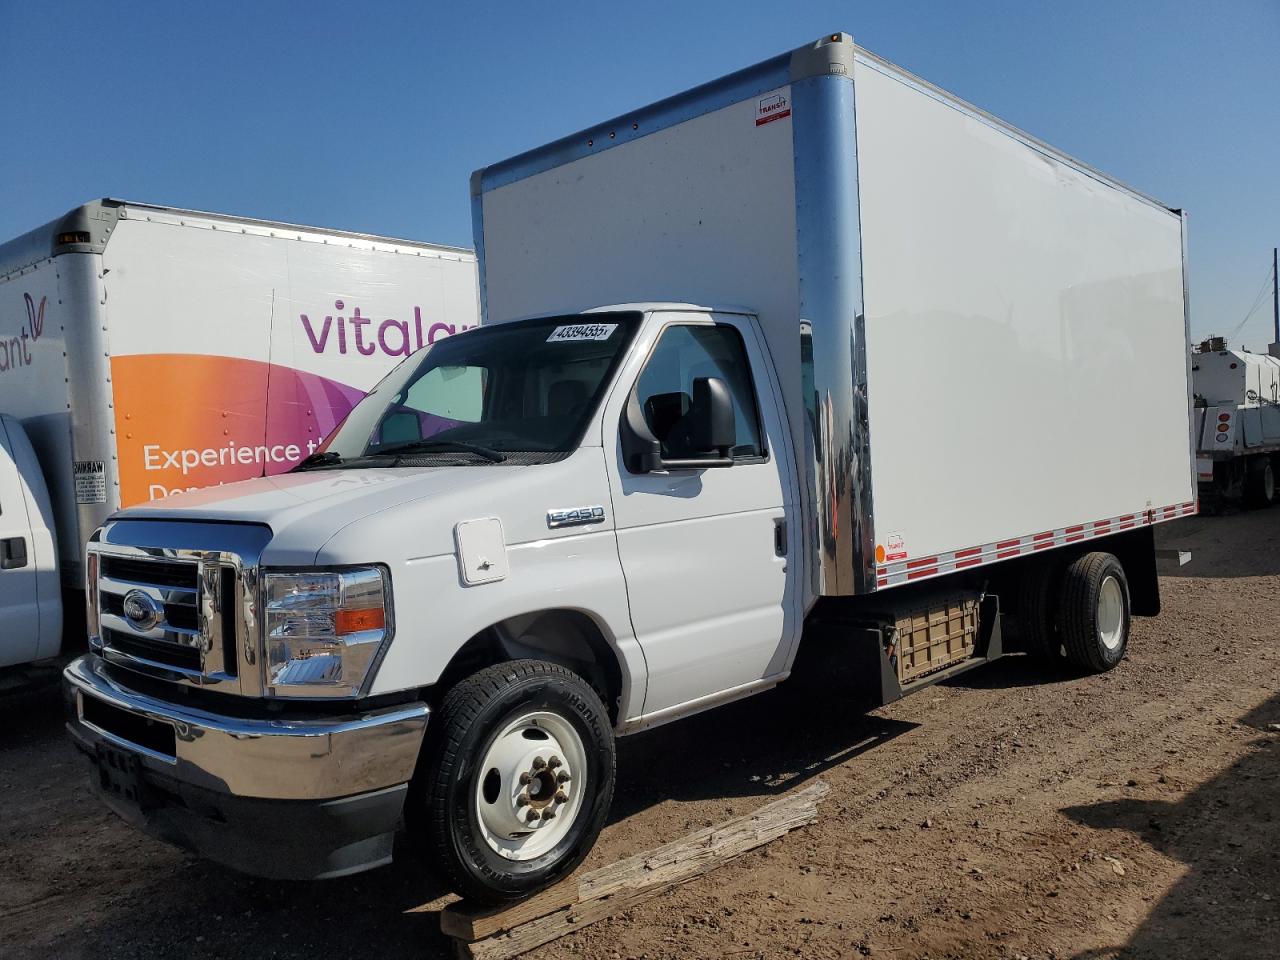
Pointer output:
x,y
979,339
161,350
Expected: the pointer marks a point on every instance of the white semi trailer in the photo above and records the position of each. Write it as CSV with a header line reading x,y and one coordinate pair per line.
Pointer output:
x,y
876,369
1237,422
146,349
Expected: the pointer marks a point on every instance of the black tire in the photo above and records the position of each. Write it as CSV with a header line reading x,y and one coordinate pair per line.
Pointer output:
x,y
1036,600
1085,601
441,813
1260,483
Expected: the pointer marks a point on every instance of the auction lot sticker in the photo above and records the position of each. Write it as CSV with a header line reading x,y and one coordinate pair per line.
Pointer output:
x,y
582,331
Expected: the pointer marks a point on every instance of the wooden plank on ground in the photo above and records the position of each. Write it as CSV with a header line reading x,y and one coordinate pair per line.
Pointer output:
x,y
511,931
462,923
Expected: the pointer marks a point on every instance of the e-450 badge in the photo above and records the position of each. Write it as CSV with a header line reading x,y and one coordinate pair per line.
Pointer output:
x,y
574,516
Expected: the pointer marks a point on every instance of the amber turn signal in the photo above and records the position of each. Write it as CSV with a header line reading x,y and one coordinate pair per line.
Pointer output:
x,y
356,621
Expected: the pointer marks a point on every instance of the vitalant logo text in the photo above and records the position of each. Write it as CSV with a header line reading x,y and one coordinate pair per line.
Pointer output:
x,y
367,336
15,351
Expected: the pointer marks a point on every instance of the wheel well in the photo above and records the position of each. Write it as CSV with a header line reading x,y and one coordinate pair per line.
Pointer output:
x,y
567,637
1135,549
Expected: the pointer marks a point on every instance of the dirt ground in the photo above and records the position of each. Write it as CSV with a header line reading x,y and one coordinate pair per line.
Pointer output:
x,y
1005,814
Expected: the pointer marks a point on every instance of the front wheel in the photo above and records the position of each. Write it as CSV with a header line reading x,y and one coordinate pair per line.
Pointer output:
x,y
516,781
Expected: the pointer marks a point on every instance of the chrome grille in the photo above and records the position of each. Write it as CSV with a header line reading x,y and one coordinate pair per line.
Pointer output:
x,y
178,601
159,652
184,598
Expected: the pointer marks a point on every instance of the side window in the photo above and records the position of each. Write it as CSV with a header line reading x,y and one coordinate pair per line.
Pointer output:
x,y
442,398
665,388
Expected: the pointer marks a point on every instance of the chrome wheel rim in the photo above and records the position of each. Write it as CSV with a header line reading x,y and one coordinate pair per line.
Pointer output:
x,y
530,785
1111,614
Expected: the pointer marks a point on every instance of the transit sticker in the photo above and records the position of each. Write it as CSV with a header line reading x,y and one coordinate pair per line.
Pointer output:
x,y
773,106
91,481
894,548
582,331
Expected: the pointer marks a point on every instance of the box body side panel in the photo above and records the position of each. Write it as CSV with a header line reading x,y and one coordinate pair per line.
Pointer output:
x,y
700,212
1026,346
50,321
233,354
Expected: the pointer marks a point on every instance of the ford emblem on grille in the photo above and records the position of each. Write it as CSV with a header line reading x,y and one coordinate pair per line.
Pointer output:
x,y
142,610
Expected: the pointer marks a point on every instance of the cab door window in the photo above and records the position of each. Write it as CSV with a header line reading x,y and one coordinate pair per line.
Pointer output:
x,y
665,388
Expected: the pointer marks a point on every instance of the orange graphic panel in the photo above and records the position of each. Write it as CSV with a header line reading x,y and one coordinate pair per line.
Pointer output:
x,y
185,421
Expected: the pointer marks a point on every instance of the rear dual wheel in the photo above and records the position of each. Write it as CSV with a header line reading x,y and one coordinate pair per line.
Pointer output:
x,y
1036,609
1260,483
1080,612
1093,612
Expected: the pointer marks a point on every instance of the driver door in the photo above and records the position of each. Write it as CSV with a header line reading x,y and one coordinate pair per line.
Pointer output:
x,y
705,551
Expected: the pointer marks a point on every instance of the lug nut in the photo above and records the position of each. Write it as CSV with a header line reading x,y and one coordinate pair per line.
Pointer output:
x,y
538,763
553,762
532,816
522,801
563,776
548,814
561,796
525,778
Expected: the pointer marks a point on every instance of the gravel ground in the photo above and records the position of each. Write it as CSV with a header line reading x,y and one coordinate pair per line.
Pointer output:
x,y
1005,814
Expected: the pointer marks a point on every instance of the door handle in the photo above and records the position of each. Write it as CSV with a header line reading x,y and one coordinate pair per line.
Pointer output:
x,y
13,553
780,537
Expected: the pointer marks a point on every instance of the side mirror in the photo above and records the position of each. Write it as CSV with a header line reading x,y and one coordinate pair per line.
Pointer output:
x,y
712,431
400,427
714,428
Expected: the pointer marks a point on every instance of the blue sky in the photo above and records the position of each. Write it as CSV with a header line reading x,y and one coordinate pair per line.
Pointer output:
x,y
372,116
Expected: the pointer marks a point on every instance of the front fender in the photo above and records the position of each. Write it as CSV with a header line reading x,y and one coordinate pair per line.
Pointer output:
x,y
436,614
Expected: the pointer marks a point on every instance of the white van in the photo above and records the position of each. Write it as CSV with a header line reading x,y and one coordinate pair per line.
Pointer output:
x,y
30,607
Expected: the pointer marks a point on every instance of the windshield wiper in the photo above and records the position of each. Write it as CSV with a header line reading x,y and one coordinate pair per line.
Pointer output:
x,y
415,446
322,458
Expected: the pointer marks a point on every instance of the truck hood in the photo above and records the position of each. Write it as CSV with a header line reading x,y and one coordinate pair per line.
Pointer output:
x,y
305,510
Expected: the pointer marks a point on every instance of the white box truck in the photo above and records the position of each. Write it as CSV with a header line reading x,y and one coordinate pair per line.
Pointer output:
x,y
146,349
1237,422
874,369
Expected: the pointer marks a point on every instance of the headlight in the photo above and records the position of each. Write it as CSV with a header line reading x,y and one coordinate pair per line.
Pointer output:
x,y
325,629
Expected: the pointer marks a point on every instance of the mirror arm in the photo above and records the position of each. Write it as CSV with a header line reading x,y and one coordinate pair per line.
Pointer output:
x,y
696,464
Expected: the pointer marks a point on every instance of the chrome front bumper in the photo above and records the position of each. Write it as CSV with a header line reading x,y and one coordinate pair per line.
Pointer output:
x,y
283,797
279,759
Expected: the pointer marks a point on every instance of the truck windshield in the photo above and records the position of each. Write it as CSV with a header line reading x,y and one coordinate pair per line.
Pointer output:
x,y
527,387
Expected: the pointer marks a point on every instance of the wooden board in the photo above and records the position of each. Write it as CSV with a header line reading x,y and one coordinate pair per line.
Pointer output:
x,y
464,923
493,934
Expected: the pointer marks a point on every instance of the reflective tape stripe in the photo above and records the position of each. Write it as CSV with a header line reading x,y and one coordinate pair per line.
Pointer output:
x,y
902,571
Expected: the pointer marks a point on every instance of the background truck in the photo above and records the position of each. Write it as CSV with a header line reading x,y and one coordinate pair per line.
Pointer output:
x,y
145,350
878,369
1237,420
1237,414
